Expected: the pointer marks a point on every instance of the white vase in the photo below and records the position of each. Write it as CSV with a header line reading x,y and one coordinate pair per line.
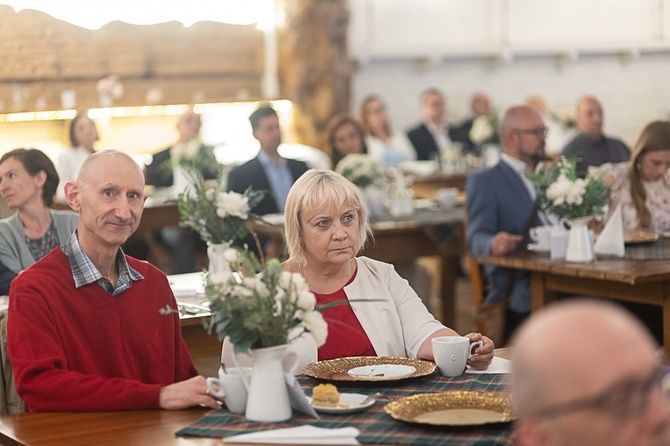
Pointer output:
x,y
580,243
375,197
268,400
218,267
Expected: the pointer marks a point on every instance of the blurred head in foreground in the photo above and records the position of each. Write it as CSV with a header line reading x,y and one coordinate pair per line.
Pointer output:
x,y
588,373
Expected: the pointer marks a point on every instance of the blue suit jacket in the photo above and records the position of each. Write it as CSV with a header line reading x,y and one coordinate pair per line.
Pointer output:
x,y
424,143
497,200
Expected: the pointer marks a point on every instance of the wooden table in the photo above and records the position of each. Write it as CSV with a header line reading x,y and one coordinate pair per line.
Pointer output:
x,y
131,428
401,240
640,281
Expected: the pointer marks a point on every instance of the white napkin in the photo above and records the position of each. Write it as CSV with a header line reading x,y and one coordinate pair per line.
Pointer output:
x,y
498,365
610,241
299,435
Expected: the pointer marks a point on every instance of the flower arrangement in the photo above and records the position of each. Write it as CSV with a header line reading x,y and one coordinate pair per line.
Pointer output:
x,y
562,193
361,170
258,307
484,129
194,155
565,116
217,216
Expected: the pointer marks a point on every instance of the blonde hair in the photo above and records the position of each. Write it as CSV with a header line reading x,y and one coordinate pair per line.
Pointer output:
x,y
654,137
314,190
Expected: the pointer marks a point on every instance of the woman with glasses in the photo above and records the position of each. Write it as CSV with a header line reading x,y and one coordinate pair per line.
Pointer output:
x,y
642,185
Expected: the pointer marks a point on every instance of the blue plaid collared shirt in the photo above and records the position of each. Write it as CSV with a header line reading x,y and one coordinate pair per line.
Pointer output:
x,y
84,271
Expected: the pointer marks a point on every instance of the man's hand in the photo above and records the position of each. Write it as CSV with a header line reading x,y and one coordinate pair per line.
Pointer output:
x,y
189,393
504,243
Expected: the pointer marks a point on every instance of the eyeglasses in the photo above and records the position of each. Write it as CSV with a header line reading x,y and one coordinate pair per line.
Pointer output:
x,y
540,131
624,400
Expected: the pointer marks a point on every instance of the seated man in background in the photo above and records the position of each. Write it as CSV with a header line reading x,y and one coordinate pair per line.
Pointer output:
x,y
165,171
588,373
433,136
90,328
500,206
591,146
268,171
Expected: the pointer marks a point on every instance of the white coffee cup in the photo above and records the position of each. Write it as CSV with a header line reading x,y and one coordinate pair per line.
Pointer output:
x,y
447,196
230,387
541,236
451,353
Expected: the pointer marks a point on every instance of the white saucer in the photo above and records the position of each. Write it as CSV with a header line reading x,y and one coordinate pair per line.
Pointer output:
x,y
535,248
351,402
381,371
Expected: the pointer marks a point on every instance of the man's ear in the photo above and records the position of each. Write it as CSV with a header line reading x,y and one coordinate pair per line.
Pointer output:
x,y
72,195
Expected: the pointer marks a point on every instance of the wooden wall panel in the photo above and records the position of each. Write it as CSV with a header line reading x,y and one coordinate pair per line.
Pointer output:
x,y
42,56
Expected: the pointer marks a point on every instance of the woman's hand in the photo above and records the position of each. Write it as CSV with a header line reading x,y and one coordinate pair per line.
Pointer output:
x,y
483,355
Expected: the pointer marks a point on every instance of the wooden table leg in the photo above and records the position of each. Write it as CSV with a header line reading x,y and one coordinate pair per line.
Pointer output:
x,y
448,289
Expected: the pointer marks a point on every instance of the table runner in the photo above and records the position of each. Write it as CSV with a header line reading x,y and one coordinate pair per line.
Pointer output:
x,y
375,425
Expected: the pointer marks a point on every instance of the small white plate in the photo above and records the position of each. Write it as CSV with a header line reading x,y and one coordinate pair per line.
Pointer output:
x,y
351,402
535,248
381,371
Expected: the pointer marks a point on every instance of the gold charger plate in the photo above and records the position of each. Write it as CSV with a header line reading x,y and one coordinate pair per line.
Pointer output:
x,y
454,408
336,369
632,236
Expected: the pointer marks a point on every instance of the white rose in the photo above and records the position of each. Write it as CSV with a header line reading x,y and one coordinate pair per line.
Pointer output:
x,y
293,281
210,194
257,286
306,300
191,149
317,326
239,290
232,255
481,130
220,277
232,203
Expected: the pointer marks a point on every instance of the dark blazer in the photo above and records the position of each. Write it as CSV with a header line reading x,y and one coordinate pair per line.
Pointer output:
x,y
497,200
252,174
160,173
424,143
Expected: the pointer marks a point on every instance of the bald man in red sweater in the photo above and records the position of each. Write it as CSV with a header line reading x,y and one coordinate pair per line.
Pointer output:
x,y
85,331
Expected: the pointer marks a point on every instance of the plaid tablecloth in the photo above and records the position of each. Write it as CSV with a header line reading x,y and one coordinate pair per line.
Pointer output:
x,y
657,250
375,425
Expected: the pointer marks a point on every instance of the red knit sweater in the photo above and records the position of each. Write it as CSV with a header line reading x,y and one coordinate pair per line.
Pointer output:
x,y
86,350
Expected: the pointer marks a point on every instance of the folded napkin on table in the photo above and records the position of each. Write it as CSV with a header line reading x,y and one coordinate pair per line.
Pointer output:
x,y
498,365
610,241
299,435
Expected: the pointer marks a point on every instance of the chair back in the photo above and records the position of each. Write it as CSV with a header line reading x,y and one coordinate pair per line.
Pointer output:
x,y
10,401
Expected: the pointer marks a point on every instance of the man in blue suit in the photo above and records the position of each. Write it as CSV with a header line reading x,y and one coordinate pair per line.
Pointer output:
x,y
500,201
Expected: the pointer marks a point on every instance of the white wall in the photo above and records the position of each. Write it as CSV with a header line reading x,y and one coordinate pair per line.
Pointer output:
x,y
615,49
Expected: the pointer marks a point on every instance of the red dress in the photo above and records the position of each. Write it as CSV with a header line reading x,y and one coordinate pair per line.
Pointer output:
x,y
346,337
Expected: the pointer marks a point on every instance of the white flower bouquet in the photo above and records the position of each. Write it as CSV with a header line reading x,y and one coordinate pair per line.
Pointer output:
x,y
361,170
565,115
217,216
484,129
258,307
562,193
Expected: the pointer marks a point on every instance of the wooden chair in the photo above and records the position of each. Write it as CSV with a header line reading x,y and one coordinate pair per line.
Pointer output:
x,y
489,319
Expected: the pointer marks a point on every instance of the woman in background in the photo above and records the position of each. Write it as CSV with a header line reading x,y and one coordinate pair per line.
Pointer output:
x,y
28,182
385,144
345,136
642,185
83,134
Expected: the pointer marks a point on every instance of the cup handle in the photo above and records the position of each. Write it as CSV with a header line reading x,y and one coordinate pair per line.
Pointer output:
x,y
475,345
210,386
